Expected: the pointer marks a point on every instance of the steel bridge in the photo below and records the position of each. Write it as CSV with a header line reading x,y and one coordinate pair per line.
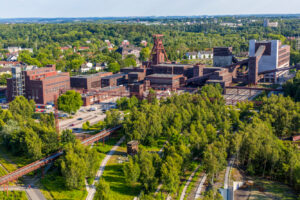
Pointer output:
x,y
44,161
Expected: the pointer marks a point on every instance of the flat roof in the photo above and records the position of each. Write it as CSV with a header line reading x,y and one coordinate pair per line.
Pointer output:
x,y
113,76
88,75
170,65
163,75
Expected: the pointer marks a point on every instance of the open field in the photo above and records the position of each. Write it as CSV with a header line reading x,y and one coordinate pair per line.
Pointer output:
x,y
113,175
54,188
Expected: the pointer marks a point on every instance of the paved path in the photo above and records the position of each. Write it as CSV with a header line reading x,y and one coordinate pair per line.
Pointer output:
x,y
34,194
92,188
227,174
188,183
199,189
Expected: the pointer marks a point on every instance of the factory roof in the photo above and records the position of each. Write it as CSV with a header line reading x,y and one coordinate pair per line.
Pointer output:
x,y
163,75
89,75
170,65
113,76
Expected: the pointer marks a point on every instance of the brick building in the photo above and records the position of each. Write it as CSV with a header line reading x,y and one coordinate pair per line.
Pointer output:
x,y
39,84
113,80
91,81
186,70
91,98
165,81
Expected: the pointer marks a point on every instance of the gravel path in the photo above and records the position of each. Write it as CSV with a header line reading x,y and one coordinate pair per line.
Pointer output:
x,y
188,183
92,188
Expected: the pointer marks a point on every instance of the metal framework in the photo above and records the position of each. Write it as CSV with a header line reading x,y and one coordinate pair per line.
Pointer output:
x,y
158,54
44,161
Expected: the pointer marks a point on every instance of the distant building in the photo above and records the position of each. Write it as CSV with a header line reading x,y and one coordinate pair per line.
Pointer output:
x,y
275,56
18,49
125,43
129,50
205,55
144,43
12,58
267,23
39,84
191,55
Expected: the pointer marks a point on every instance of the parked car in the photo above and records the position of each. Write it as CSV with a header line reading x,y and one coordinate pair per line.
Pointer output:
x,y
72,125
79,118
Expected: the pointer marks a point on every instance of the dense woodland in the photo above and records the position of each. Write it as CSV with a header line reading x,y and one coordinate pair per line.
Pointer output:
x,y
196,126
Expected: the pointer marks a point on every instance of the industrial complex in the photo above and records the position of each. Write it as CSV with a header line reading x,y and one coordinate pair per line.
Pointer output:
x,y
268,61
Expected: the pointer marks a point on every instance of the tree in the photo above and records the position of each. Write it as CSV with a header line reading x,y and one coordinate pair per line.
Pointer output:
x,y
67,137
145,54
147,177
114,67
21,106
129,62
112,118
102,190
3,78
170,173
131,171
70,101
77,163
33,144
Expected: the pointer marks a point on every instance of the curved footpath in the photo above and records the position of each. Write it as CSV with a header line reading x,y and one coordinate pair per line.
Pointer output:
x,y
188,183
92,188
199,189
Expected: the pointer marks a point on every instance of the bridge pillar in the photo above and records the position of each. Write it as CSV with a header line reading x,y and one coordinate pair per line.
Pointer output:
x,y
42,168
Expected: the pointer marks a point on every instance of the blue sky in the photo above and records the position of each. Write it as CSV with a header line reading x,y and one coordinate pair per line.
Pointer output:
x,y
105,8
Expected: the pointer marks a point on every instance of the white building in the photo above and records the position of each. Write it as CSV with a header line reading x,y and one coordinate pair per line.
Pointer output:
x,y
275,56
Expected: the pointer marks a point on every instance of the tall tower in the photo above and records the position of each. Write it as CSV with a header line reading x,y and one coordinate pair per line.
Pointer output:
x,y
158,53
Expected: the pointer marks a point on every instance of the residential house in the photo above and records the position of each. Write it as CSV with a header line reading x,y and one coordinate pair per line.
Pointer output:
x,y
206,55
129,50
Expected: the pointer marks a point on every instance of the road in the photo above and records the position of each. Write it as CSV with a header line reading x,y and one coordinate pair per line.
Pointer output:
x,y
92,188
188,183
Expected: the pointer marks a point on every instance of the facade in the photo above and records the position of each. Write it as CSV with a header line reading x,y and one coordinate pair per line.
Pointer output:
x,y
205,55
186,70
132,147
88,82
39,84
92,97
275,56
222,56
165,81
192,55
113,80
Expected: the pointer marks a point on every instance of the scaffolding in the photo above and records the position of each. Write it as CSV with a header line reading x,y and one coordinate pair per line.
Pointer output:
x,y
18,82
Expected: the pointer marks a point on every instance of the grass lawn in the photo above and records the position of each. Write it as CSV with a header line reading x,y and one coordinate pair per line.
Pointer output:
x,y
13,195
54,188
113,175
265,189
